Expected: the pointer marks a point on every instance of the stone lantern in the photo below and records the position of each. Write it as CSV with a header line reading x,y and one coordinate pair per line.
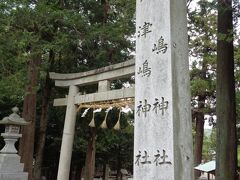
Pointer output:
x,y
10,166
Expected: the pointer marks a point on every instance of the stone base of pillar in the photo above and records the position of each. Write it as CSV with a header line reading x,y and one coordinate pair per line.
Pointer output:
x,y
14,176
11,168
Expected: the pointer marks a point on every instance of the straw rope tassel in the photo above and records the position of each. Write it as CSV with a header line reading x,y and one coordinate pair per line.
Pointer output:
x,y
104,123
117,125
92,123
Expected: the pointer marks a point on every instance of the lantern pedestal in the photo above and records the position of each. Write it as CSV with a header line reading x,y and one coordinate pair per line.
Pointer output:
x,y
10,140
10,166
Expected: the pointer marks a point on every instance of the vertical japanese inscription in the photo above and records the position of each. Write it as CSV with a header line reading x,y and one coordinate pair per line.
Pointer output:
x,y
158,159
143,108
160,46
145,70
162,106
137,162
150,109
144,29
145,158
164,157
156,107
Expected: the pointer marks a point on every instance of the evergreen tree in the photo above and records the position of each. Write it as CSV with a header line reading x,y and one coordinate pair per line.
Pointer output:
x,y
202,33
62,36
226,162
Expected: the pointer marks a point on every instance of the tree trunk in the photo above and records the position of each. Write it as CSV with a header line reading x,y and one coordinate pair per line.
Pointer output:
x,y
106,171
198,142
119,164
106,8
42,132
90,157
226,161
199,134
29,113
43,122
79,173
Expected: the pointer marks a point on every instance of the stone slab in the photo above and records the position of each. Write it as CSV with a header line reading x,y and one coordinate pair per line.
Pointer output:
x,y
10,163
14,176
163,134
100,96
112,72
71,76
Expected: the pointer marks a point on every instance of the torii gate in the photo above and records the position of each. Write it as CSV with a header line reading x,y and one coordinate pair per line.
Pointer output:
x,y
102,77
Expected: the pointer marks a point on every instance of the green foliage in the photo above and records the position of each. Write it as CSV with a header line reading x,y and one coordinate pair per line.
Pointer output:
x,y
202,42
238,115
238,156
199,87
69,36
82,35
209,145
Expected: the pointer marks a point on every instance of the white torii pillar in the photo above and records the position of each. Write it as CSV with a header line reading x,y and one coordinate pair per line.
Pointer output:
x,y
68,135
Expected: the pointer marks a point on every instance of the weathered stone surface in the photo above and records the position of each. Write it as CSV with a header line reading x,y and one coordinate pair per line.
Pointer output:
x,y
100,96
14,118
10,140
14,176
163,138
68,136
11,168
10,163
111,72
70,76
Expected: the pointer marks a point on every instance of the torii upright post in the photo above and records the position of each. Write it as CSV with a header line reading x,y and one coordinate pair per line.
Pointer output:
x,y
68,135
163,134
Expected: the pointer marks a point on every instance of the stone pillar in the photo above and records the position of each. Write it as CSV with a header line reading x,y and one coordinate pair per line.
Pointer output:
x,y
163,130
104,86
68,135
